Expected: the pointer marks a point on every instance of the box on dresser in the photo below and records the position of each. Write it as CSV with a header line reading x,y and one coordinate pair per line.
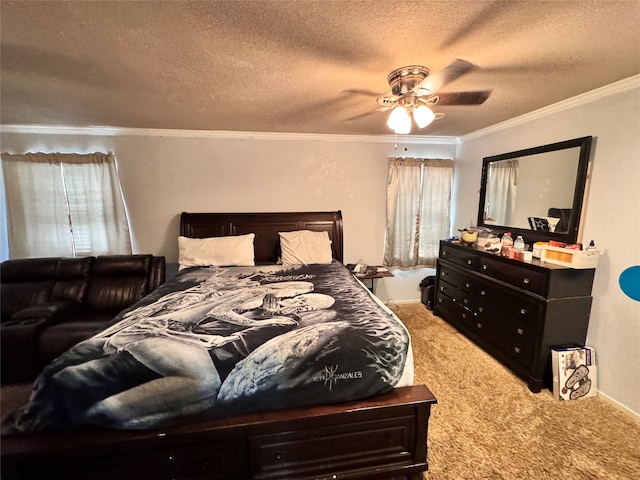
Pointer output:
x,y
570,258
516,311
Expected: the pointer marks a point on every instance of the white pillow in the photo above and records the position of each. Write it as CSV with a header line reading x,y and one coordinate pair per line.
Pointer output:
x,y
221,251
305,247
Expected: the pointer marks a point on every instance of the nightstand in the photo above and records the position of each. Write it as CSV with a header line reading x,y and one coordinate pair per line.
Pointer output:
x,y
380,272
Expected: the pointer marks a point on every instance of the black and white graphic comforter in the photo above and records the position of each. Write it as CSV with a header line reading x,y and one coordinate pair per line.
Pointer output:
x,y
219,340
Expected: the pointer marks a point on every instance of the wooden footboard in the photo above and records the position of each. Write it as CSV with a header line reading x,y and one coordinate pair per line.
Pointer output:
x,y
382,437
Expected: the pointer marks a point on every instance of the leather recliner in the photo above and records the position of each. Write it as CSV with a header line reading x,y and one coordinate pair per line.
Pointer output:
x,y
50,304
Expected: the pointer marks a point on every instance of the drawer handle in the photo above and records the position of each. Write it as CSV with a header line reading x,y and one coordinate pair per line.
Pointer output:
x,y
468,285
466,300
523,311
520,331
484,266
526,281
464,315
483,293
445,253
479,325
469,262
442,288
481,309
516,349
444,274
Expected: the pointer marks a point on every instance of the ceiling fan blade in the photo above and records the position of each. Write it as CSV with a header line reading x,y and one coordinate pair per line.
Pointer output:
x,y
463,98
361,116
452,72
369,113
362,91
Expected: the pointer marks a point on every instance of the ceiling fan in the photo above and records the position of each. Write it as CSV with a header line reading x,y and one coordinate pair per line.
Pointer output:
x,y
414,92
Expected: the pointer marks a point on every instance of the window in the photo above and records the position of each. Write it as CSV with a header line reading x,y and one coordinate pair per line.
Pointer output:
x,y
64,205
502,183
418,205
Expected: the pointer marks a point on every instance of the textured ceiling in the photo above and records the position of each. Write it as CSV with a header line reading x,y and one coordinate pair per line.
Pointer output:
x,y
284,66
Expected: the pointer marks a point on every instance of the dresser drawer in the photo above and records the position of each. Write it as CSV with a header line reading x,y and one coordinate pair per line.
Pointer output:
x,y
502,303
300,454
487,327
520,349
518,325
521,277
460,280
215,461
522,333
459,296
466,258
512,336
453,311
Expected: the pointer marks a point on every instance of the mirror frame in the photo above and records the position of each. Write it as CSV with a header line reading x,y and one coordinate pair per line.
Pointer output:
x,y
531,236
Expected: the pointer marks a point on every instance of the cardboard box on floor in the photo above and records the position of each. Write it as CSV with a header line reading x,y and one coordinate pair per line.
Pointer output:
x,y
574,373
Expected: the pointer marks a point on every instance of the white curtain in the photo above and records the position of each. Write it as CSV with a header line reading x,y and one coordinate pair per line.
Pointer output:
x,y
418,206
64,205
502,183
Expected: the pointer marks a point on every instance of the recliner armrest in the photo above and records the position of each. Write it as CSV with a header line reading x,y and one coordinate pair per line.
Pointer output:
x,y
54,311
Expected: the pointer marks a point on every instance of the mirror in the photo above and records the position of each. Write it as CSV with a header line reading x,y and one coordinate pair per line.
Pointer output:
x,y
537,192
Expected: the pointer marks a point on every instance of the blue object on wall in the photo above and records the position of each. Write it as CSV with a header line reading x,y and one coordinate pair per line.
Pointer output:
x,y
630,282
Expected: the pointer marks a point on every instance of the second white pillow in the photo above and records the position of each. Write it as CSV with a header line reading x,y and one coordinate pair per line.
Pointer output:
x,y
305,247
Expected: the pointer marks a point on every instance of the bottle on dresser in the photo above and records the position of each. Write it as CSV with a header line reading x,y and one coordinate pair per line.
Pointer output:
x,y
517,252
507,243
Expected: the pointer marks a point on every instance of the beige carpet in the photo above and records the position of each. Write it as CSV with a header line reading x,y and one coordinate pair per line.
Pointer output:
x,y
488,425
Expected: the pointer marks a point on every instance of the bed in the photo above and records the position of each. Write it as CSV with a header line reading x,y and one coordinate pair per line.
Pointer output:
x,y
319,418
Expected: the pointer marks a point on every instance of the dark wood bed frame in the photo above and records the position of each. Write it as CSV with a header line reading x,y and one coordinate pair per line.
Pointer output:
x,y
377,438
266,227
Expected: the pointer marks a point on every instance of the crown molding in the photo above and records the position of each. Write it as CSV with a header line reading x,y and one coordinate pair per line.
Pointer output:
x,y
583,99
579,100
223,135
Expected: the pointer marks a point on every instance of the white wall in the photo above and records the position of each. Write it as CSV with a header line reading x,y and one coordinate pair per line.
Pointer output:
x,y
612,218
165,173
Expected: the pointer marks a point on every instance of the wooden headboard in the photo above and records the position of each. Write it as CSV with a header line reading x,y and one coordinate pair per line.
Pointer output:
x,y
266,227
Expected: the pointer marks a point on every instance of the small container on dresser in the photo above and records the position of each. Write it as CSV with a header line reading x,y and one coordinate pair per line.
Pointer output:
x,y
516,311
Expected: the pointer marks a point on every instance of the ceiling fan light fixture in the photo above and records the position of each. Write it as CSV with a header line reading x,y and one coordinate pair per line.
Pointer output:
x,y
423,116
414,92
399,121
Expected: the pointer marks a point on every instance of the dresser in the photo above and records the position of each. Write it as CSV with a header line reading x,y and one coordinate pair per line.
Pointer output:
x,y
516,311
